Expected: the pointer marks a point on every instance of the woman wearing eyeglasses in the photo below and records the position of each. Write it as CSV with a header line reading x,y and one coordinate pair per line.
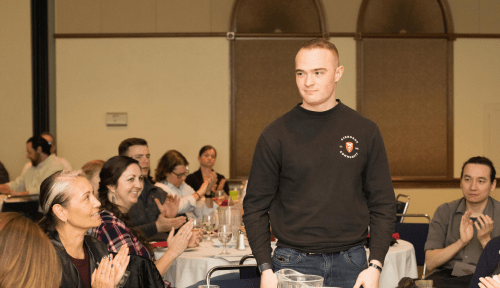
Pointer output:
x,y
170,176
207,157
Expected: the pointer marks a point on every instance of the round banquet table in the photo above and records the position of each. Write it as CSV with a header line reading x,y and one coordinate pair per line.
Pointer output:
x,y
193,265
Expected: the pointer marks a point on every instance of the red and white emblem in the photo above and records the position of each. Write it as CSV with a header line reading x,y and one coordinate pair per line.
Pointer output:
x,y
349,146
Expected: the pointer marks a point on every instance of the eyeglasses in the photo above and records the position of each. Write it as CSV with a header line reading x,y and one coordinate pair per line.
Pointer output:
x,y
179,176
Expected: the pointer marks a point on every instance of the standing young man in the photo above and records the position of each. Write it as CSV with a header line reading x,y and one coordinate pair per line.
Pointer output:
x,y
320,178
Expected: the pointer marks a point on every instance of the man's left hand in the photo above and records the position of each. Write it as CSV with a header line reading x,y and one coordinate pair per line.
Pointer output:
x,y
369,277
484,226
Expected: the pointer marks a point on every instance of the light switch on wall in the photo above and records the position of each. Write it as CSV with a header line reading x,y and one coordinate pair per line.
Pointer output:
x,y
116,119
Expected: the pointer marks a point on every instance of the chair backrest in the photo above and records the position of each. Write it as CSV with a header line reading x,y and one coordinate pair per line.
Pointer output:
x,y
248,272
416,234
402,206
228,267
26,204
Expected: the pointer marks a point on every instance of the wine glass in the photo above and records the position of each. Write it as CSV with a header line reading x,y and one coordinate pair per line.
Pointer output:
x,y
208,224
219,197
224,233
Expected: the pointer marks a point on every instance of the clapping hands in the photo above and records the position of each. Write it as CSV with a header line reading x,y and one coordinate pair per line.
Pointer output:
x,y
110,271
170,207
484,226
466,228
488,282
168,210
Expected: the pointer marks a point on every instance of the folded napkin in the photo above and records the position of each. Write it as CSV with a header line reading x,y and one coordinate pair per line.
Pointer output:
x,y
160,244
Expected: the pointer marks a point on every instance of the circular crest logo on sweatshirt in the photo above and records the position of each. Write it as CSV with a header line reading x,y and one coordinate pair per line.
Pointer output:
x,y
349,147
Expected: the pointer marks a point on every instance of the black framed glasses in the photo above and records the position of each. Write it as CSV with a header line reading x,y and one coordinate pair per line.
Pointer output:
x,y
179,176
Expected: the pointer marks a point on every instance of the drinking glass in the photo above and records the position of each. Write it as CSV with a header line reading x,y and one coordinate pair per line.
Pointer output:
x,y
219,197
230,216
224,234
208,224
197,225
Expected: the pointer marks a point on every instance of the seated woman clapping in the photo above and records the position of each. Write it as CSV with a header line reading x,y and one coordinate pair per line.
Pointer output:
x,y
170,175
70,209
119,188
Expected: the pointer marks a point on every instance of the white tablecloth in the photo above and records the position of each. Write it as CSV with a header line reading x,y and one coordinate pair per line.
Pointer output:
x,y
192,266
400,262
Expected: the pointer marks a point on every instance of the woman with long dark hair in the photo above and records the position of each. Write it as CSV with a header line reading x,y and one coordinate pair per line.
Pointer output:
x,y
120,186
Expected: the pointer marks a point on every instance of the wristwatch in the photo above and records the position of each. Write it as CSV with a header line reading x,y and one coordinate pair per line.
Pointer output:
x,y
264,267
376,267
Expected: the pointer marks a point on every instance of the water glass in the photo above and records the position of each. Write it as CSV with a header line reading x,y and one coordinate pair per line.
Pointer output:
x,y
209,224
224,234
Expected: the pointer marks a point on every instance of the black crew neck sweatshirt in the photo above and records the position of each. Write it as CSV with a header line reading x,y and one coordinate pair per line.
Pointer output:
x,y
324,178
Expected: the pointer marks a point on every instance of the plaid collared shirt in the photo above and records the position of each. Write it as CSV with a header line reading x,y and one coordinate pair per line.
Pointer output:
x,y
114,234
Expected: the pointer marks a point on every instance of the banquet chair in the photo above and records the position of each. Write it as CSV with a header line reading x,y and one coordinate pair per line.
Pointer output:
x,y
416,234
25,204
248,272
242,282
401,206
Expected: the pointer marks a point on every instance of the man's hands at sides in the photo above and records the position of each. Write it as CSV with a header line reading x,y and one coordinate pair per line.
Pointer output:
x,y
369,277
268,279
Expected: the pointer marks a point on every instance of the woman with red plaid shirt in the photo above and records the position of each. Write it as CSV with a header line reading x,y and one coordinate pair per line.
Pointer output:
x,y
119,188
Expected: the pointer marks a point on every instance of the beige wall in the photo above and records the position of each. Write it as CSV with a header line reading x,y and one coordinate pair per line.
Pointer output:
x,y
150,16
175,91
15,84
146,16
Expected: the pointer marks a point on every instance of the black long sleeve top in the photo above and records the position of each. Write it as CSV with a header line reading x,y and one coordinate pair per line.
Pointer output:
x,y
320,179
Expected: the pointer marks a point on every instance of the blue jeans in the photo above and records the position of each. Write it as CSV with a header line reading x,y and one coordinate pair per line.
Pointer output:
x,y
339,269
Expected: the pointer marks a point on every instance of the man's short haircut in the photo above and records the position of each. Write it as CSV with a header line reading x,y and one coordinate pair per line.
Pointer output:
x,y
483,161
123,148
51,136
91,167
38,141
322,44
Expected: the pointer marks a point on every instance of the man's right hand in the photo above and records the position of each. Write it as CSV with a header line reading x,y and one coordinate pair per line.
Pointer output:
x,y
466,228
268,279
164,224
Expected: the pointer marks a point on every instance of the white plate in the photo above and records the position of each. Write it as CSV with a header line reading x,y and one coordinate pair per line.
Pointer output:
x,y
164,249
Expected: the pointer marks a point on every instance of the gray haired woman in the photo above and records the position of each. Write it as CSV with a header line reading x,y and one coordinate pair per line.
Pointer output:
x,y
70,209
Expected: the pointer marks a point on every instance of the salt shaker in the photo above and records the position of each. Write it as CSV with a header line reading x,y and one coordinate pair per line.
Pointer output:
x,y
240,242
